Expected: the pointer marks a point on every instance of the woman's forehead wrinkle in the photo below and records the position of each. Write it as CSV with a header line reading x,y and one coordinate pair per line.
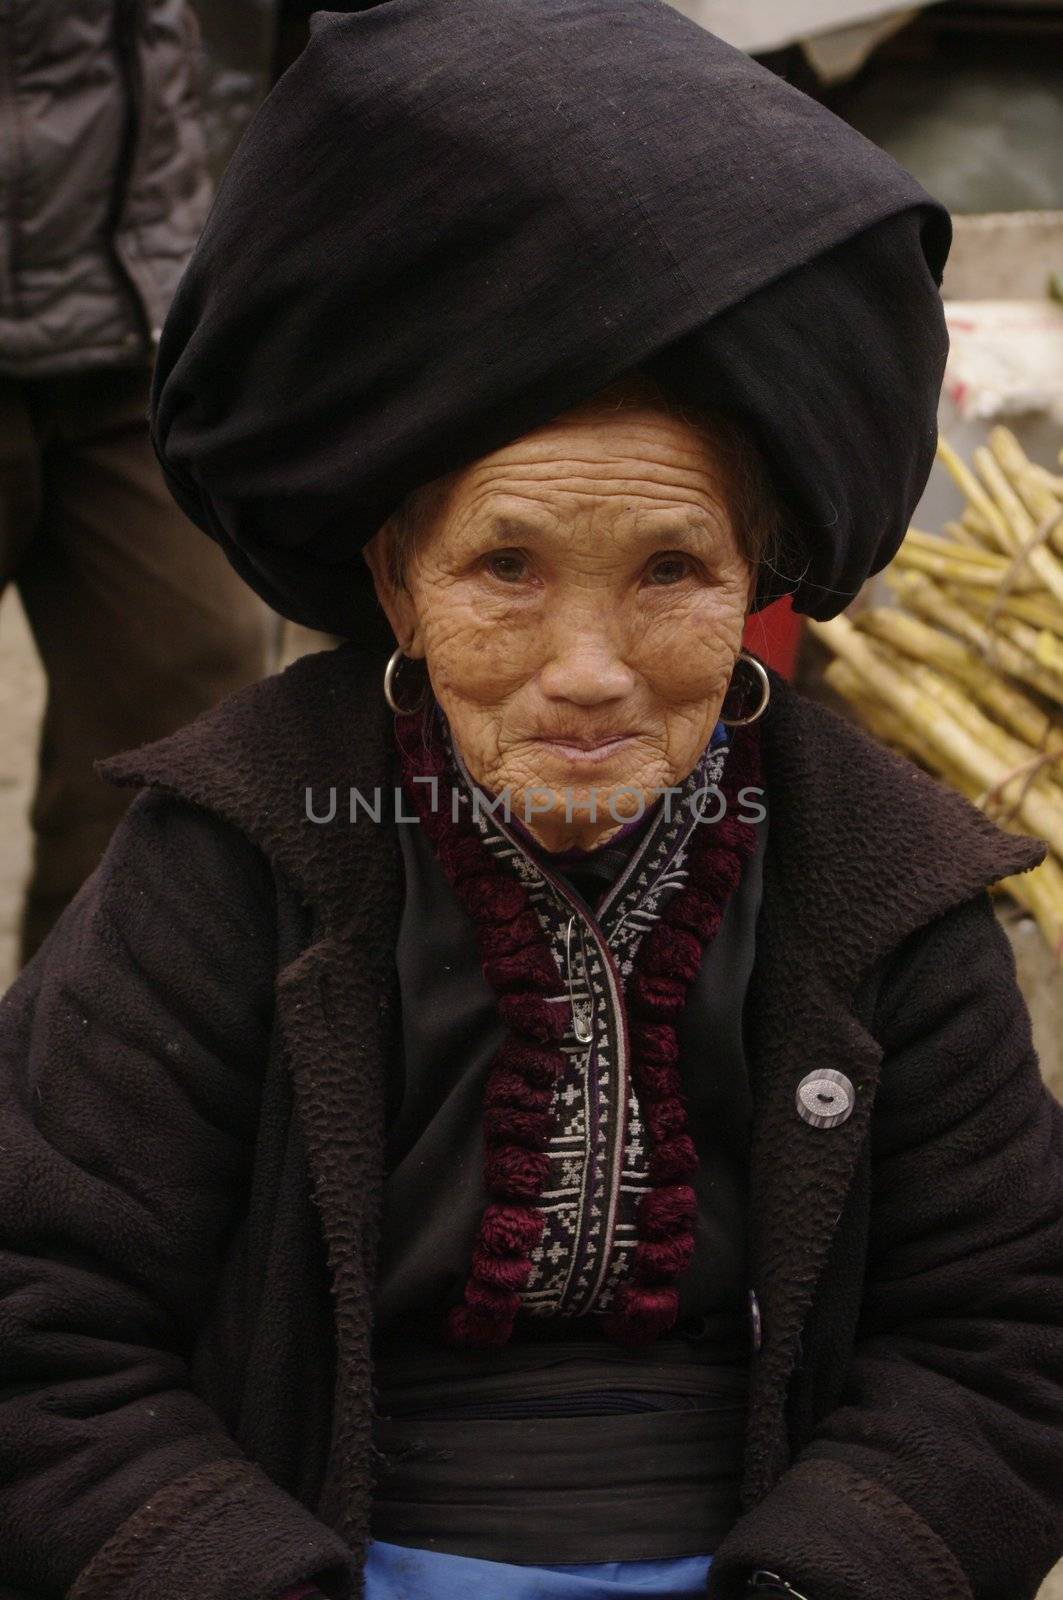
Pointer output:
x,y
672,460
689,522
677,490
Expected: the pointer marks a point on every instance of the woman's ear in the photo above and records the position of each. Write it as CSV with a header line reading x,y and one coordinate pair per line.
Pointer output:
x,y
395,600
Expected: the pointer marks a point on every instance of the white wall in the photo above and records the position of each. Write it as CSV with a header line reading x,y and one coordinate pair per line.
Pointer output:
x,y
757,25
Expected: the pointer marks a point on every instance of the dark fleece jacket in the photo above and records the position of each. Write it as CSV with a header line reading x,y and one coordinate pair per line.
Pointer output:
x,y
192,1132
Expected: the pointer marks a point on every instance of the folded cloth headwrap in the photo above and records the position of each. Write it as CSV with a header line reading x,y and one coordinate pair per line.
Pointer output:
x,y
452,220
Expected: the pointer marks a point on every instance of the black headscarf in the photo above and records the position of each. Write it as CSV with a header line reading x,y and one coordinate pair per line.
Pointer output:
x,y
454,219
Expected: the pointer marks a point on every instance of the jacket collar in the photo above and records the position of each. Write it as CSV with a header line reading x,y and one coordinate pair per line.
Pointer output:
x,y
319,726
864,848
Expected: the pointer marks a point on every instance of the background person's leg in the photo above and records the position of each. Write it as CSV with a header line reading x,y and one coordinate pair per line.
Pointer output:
x,y
139,620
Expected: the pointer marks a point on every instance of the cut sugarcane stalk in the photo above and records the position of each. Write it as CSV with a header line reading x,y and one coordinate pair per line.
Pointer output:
x,y
1040,809
1040,491
1040,612
931,602
921,642
980,501
945,564
964,674
1023,530
1041,891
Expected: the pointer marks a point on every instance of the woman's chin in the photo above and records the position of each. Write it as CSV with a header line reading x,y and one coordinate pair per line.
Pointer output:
x,y
566,807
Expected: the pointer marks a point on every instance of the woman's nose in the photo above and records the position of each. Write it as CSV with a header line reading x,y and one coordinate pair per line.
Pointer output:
x,y
587,670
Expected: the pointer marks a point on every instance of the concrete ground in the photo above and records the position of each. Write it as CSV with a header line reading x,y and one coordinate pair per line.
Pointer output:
x,y
21,700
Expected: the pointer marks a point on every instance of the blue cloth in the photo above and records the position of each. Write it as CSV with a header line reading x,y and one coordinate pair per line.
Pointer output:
x,y
396,1573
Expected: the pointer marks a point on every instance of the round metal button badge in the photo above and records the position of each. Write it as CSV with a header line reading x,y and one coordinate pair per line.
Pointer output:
x,y
825,1098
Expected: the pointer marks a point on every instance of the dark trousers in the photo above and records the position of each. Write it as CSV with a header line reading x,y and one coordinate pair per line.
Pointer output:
x,y
139,620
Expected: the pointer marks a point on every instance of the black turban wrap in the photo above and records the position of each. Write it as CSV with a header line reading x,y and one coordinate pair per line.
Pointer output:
x,y
452,220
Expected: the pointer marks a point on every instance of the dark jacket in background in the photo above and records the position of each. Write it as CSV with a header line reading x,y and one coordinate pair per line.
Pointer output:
x,y
192,1123
100,203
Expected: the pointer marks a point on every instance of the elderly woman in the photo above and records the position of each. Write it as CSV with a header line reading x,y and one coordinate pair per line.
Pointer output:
x,y
529,1106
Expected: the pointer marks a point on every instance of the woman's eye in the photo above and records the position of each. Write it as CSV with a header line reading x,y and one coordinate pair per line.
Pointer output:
x,y
668,569
509,566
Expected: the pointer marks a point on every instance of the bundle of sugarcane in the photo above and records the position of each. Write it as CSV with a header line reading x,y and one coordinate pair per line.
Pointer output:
x,y
964,671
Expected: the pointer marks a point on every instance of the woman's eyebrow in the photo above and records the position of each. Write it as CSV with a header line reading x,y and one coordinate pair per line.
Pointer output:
x,y
507,528
691,532
648,529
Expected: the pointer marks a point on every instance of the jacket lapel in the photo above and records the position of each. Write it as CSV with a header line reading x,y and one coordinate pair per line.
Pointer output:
x,y
800,1175
863,850
335,1013
321,726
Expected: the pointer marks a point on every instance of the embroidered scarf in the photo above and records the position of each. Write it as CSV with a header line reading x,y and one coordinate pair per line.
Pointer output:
x,y
587,1159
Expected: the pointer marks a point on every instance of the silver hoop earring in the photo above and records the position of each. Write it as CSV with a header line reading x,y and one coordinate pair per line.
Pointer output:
x,y
765,693
394,660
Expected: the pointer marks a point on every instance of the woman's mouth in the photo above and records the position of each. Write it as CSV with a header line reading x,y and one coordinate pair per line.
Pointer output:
x,y
586,752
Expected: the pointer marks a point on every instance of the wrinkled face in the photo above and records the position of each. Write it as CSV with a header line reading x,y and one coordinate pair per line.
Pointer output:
x,y
579,604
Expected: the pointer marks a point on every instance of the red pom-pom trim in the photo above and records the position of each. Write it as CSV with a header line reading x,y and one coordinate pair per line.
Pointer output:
x,y
691,911
660,1083
508,937
530,1129
474,1329
530,968
667,962
663,1260
531,1015
511,1230
461,856
673,1160
715,877
665,1119
655,1041
511,1089
537,1063
671,952
502,1303
505,1272
515,1173
489,898
663,1212
642,1315
661,999
517,1121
